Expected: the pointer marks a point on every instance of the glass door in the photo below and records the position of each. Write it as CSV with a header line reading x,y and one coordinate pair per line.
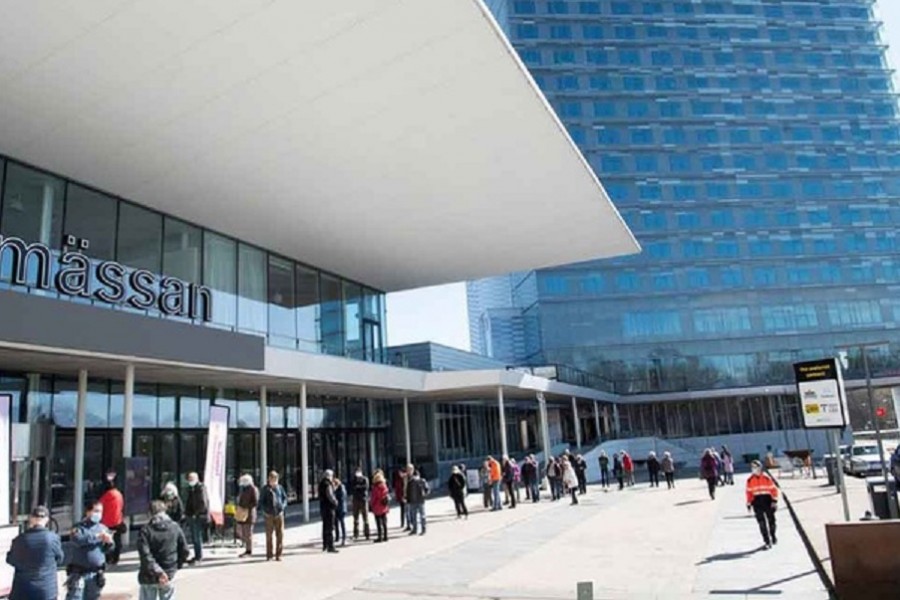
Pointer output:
x,y
371,340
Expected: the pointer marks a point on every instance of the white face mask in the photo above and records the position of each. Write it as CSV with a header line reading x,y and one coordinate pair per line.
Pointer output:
x,y
756,470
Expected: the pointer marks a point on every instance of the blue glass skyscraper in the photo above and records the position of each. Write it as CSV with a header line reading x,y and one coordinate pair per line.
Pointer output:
x,y
753,146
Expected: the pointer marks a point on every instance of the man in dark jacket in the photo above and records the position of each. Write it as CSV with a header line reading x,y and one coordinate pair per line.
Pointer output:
x,y
273,501
509,481
327,510
359,493
529,477
196,512
416,490
90,541
162,550
35,555
580,466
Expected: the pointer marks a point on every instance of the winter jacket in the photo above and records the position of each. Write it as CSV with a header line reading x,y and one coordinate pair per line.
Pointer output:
x,y
173,507
416,490
709,467
340,494
248,498
652,465
570,479
553,470
88,552
380,502
495,471
161,548
617,466
35,555
509,473
272,500
457,485
728,463
400,486
359,488
327,501
113,508
604,462
196,504
667,464
761,485
529,472
627,463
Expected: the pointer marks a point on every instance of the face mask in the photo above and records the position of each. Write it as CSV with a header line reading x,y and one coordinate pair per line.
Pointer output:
x,y
95,518
192,483
756,470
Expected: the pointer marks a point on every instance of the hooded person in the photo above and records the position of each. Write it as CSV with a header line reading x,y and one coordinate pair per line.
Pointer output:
x,y
457,487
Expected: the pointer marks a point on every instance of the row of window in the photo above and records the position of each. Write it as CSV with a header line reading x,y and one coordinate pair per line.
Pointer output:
x,y
752,189
660,32
295,306
758,218
833,11
726,277
787,246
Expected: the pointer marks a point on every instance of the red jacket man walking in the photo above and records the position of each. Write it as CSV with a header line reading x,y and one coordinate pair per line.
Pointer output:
x,y
762,497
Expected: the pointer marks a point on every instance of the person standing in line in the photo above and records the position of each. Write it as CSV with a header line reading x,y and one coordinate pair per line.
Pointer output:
x,y
517,479
580,467
380,503
618,471
399,484
485,474
535,478
113,516
709,471
35,554
327,509
196,512
417,489
653,469
509,481
162,551
245,515
604,470
728,465
628,467
554,476
174,507
410,470
340,512
570,479
273,502
527,476
721,479
359,493
457,487
90,541
668,469
495,477
762,497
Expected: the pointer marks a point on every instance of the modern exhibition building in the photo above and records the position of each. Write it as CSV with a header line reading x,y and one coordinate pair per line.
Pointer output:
x,y
208,207
753,146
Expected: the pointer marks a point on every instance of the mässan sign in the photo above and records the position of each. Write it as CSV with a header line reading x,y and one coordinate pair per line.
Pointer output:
x,y
107,281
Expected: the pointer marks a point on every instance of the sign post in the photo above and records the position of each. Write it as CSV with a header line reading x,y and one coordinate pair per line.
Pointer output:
x,y
823,404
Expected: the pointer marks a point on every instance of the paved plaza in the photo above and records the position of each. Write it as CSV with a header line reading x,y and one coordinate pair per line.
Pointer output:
x,y
639,543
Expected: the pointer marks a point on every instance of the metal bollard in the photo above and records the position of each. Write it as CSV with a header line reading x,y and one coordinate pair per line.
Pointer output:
x,y
585,590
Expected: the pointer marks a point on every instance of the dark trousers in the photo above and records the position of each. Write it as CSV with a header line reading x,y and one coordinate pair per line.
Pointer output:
x,y
112,557
711,483
621,478
328,530
535,491
381,526
582,483
527,485
670,480
511,492
340,529
403,515
604,477
764,509
654,478
574,492
360,510
554,488
459,502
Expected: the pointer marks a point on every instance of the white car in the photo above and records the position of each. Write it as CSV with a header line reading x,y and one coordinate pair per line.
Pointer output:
x,y
863,459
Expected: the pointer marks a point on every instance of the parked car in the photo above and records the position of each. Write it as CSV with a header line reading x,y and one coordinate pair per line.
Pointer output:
x,y
863,459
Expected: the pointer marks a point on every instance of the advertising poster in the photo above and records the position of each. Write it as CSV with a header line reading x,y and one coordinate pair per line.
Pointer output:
x,y
821,391
214,474
137,485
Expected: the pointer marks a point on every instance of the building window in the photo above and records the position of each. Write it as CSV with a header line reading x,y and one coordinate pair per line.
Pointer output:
x,y
91,216
252,289
32,206
282,317
860,312
182,247
220,275
332,316
651,323
307,302
139,240
789,317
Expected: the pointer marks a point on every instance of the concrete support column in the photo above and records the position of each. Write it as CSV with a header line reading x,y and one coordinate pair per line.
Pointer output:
x,y
407,442
597,421
545,426
370,414
577,421
263,434
80,419
504,449
616,425
304,454
128,414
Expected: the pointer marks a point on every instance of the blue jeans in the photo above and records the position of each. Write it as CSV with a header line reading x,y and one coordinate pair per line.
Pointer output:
x,y
535,491
153,591
417,517
495,495
196,525
82,588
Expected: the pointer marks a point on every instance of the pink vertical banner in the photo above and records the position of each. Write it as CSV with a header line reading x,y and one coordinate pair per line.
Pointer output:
x,y
214,474
5,499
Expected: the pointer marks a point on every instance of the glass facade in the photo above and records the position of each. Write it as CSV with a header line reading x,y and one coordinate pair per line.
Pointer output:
x,y
253,291
752,146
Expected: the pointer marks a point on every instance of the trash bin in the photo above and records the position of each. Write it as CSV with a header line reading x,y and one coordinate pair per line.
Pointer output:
x,y
878,496
830,466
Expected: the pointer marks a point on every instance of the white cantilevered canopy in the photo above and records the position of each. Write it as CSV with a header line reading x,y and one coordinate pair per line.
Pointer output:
x,y
397,142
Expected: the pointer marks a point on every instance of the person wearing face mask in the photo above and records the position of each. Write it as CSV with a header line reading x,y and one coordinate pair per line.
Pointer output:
x,y
196,513
90,542
113,515
174,507
762,498
245,512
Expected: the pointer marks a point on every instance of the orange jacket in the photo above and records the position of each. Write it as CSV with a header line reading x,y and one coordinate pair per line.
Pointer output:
x,y
494,467
761,485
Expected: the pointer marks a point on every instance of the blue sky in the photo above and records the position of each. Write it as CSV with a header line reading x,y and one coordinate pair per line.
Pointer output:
x,y
439,313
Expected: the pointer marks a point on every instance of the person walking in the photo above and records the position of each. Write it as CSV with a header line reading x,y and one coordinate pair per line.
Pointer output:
x,y
762,498
457,487
653,469
728,465
113,516
570,479
35,554
246,512
90,542
618,471
628,467
273,502
327,510
668,468
509,481
174,507
495,476
603,459
709,471
380,503
196,512
417,489
721,478
580,467
340,512
359,494
162,551
554,477
399,485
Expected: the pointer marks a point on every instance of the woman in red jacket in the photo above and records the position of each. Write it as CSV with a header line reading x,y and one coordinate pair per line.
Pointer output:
x,y
379,502
113,516
628,467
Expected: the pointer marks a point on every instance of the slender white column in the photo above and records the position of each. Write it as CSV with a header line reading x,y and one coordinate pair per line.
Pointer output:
x,y
577,422
128,413
406,439
503,446
263,434
304,454
80,419
545,427
597,421
616,426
